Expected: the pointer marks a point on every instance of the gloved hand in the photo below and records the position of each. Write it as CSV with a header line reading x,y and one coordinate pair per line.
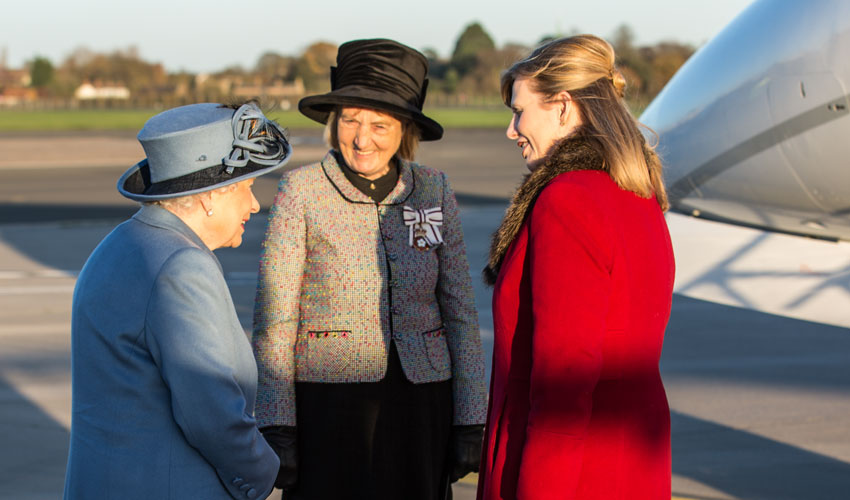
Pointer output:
x,y
282,439
465,450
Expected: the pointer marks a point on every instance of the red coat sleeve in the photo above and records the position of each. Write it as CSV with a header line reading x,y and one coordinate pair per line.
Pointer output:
x,y
569,263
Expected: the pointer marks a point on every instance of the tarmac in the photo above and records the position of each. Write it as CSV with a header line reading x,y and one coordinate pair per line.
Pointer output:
x,y
759,401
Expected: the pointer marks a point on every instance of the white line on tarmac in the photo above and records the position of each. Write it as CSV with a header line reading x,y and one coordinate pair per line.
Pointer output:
x,y
35,329
36,290
13,275
42,273
233,279
57,273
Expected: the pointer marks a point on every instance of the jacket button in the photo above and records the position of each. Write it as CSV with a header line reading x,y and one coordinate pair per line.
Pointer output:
x,y
237,481
388,236
396,310
396,336
392,256
251,493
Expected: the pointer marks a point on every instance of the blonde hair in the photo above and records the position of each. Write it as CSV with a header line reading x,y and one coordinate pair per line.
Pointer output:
x,y
583,66
409,134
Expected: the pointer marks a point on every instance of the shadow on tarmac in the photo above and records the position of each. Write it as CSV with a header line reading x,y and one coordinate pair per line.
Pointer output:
x,y
80,213
747,466
737,346
765,373
29,213
34,446
705,343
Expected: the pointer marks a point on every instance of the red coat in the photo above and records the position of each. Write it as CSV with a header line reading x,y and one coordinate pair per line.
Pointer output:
x,y
577,409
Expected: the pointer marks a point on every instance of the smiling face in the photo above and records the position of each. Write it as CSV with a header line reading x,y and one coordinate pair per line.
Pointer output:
x,y
368,139
537,123
231,210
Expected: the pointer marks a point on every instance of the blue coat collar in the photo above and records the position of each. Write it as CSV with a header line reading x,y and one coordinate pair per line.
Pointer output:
x,y
155,215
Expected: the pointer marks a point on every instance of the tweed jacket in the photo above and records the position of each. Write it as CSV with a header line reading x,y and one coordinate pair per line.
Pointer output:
x,y
163,377
339,279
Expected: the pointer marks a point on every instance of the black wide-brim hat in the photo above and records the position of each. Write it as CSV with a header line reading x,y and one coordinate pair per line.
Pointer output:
x,y
377,74
196,148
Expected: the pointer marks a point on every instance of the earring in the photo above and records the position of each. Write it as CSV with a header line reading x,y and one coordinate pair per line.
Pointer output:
x,y
209,213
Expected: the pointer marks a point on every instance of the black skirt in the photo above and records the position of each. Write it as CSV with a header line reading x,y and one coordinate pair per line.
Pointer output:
x,y
382,440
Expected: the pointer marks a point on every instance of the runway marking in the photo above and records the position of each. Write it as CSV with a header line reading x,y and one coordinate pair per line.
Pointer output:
x,y
235,278
42,273
57,273
67,273
35,329
12,275
36,290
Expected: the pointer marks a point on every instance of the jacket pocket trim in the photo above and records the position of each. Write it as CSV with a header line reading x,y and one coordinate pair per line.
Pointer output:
x,y
317,334
437,349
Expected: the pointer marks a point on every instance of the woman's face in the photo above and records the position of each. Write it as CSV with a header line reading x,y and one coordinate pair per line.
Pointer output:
x,y
231,210
368,139
536,124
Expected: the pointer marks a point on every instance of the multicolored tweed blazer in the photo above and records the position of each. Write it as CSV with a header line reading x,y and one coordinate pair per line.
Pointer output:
x,y
340,276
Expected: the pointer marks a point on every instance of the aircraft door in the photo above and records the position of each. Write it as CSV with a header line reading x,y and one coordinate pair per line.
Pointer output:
x,y
811,112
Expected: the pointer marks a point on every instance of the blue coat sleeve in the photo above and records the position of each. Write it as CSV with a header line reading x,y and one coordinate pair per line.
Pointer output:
x,y
197,343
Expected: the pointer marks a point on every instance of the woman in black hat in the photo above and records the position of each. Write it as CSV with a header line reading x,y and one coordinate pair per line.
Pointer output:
x,y
163,378
365,327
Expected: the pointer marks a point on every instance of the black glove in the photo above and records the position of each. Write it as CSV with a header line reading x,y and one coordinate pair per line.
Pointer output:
x,y
282,440
465,450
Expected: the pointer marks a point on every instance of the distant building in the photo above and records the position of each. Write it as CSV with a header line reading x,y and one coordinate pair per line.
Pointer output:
x,y
87,91
14,77
284,93
14,85
12,96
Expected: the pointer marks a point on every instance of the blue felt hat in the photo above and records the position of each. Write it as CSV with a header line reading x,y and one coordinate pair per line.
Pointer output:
x,y
199,147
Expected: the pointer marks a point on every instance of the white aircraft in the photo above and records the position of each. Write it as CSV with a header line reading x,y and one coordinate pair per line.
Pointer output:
x,y
754,131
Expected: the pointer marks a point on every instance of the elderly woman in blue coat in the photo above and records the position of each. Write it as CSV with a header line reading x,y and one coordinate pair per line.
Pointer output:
x,y
365,328
163,377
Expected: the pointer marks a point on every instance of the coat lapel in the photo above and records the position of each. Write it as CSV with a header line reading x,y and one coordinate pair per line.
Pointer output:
x,y
154,215
399,194
333,171
403,189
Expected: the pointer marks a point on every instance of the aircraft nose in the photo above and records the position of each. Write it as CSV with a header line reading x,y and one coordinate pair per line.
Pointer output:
x,y
750,128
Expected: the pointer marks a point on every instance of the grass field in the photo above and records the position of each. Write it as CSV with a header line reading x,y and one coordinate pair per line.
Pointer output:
x,y
52,121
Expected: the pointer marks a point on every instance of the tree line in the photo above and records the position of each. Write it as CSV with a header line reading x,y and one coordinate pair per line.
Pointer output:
x,y
468,77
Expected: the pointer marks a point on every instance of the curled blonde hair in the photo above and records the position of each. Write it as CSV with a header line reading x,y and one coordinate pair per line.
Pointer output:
x,y
583,66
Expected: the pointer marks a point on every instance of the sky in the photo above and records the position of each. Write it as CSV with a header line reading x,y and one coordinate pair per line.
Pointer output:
x,y
209,35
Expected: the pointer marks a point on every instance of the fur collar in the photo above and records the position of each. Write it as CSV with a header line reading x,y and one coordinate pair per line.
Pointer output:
x,y
577,152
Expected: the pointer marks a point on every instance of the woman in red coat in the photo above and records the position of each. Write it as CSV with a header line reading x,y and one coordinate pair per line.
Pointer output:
x,y
583,272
